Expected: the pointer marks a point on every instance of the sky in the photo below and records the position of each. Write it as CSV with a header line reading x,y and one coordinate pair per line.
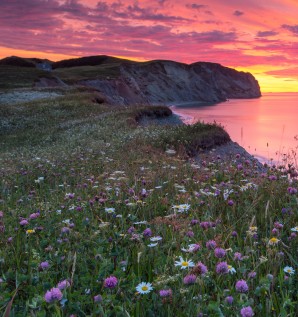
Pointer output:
x,y
258,36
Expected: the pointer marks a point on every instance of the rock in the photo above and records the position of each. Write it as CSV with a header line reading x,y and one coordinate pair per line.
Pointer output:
x,y
159,82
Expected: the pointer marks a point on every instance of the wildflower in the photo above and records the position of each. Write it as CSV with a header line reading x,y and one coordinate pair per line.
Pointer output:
x,y
200,268
211,244
34,215
231,269
30,231
230,202
289,270
65,230
53,295
295,229
205,224
131,230
97,299
44,265
24,222
241,286
171,152
246,312
222,268
194,222
270,277
252,274
140,222
192,248
69,195
109,210
157,238
110,282
63,284
219,253
190,234
152,245
237,256
252,231
292,190
263,259
229,300
273,241
184,263
278,225
275,231
189,279
147,232
181,208
165,293
144,288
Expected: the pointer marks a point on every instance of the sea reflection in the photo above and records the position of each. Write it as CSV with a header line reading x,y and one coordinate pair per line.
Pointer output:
x,y
266,127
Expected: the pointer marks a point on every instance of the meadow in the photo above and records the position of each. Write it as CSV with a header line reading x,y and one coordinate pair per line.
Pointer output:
x,y
103,216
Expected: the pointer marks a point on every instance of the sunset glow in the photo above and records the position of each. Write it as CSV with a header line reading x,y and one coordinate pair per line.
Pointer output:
x,y
250,35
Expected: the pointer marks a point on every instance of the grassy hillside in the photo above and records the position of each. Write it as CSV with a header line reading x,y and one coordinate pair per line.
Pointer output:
x,y
12,77
74,74
101,216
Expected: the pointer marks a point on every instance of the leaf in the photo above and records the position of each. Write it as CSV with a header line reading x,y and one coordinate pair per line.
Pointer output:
x,y
9,305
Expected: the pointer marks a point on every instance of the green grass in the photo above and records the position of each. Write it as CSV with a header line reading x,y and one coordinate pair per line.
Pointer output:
x,y
64,161
74,74
12,77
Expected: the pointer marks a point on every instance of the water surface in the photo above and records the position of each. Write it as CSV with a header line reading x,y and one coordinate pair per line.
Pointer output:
x,y
266,127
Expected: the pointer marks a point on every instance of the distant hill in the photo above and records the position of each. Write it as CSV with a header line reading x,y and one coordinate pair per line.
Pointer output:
x,y
16,61
88,61
125,82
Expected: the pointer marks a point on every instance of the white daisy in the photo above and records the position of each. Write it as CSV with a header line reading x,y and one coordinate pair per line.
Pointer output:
x,y
181,208
231,269
184,264
109,210
144,288
191,248
295,229
171,152
273,241
289,270
140,222
152,245
157,238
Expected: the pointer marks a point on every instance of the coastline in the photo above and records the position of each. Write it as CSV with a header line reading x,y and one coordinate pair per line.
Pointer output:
x,y
226,151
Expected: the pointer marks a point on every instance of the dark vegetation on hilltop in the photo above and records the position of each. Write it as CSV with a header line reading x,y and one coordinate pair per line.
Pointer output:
x,y
16,61
87,61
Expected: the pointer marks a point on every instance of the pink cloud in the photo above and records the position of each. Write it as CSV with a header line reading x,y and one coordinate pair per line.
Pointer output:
x,y
163,29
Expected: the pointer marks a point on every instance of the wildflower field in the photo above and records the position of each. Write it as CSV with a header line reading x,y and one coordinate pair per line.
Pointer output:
x,y
102,216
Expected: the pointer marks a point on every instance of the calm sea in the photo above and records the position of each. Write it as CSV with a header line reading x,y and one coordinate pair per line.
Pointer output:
x,y
266,127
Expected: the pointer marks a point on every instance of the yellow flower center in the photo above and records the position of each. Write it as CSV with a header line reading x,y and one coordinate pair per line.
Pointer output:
x,y
289,270
184,263
229,267
145,288
274,240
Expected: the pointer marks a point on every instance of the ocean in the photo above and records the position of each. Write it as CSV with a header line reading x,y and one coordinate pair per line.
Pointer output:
x,y
266,127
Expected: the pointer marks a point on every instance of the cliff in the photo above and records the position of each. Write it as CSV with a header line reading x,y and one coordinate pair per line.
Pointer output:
x,y
126,82
159,82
